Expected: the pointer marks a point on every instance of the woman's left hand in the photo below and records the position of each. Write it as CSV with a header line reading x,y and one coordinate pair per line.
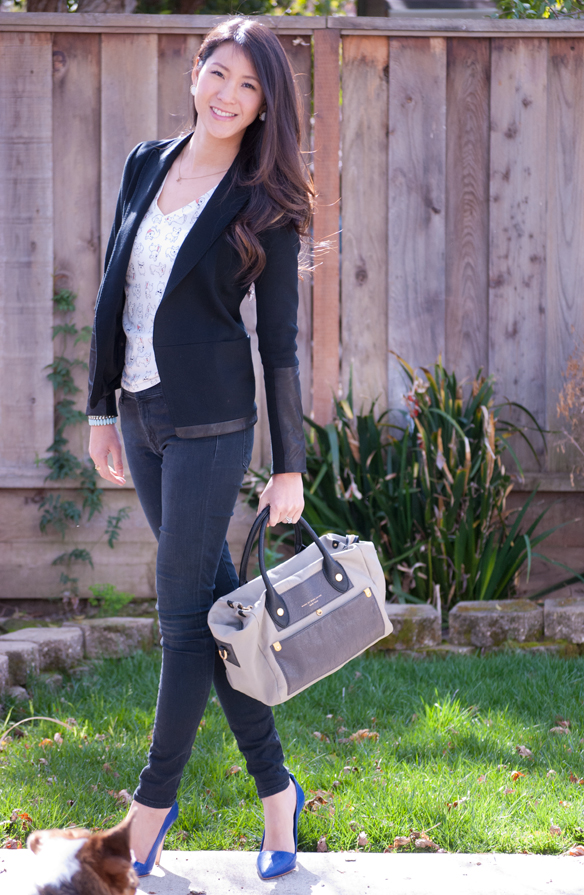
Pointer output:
x,y
285,495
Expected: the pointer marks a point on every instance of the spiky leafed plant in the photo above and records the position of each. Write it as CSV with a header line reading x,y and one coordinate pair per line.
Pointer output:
x,y
428,488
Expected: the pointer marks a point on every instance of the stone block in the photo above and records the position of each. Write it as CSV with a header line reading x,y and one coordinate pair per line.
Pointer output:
x,y
415,626
18,693
23,658
563,615
490,623
116,638
4,674
60,648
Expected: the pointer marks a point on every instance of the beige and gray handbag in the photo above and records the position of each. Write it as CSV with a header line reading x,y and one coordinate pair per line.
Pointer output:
x,y
299,622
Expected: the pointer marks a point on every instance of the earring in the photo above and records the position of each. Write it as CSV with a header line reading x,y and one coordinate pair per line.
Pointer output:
x,y
193,89
262,116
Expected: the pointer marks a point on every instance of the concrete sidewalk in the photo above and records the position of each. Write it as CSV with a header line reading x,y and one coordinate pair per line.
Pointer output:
x,y
345,873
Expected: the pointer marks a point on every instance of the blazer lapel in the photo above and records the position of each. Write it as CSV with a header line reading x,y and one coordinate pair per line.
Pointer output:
x,y
219,211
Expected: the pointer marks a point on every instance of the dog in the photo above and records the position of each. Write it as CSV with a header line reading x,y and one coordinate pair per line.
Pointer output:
x,y
78,862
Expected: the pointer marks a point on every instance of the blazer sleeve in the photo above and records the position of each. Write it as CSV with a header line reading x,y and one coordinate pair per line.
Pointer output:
x,y
277,310
107,405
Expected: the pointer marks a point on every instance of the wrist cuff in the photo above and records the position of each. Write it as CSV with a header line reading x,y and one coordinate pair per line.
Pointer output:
x,y
101,420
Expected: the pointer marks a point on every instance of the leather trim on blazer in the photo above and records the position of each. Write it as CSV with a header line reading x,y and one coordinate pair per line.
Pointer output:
x,y
224,428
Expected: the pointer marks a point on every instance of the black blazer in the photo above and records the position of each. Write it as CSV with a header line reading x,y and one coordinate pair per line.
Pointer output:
x,y
201,347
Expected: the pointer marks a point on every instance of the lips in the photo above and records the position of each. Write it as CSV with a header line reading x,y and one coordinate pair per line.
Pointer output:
x,y
221,114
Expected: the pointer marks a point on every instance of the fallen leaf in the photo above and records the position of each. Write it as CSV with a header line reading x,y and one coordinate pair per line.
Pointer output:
x,y
12,843
401,841
574,779
320,736
563,722
555,830
342,730
425,843
457,802
43,761
516,775
234,769
335,784
523,751
503,767
100,737
482,778
321,845
51,780
122,797
329,716
46,742
347,770
558,730
93,787
565,804
551,773
58,739
107,768
362,840
507,791
320,798
70,802
576,851
72,722
365,734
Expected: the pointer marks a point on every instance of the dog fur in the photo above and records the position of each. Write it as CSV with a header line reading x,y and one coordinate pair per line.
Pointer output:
x,y
87,864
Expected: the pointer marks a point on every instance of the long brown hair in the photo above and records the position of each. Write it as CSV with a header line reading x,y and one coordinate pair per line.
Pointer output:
x,y
269,161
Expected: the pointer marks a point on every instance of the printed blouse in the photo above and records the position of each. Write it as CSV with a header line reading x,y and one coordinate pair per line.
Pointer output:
x,y
156,245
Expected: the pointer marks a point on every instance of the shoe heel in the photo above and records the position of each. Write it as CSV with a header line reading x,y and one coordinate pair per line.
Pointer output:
x,y
159,853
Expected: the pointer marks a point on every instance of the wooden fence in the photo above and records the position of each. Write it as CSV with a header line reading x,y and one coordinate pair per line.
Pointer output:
x,y
461,215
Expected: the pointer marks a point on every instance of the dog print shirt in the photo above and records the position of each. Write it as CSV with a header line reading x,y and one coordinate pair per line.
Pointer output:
x,y
156,245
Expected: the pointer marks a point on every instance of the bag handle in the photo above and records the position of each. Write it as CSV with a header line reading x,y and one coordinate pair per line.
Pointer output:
x,y
253,532
332,570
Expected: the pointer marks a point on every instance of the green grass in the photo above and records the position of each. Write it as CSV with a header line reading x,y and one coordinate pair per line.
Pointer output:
x,y
442,725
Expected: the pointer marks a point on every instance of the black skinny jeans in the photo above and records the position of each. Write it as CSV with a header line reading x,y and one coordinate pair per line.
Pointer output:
x,y
187,489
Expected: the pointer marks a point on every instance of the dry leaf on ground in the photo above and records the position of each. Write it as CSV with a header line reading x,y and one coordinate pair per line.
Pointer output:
x,y
574,779
516,775
319,799
507,791
576,851
523,751
320,736
457,802
425,843
58,739
362,840
46,742
555,830
401,841
482,778
321,845
234,769
551,773
558,730
565,804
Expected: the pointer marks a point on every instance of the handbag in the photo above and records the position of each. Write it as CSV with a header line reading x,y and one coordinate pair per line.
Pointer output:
x,y
302,620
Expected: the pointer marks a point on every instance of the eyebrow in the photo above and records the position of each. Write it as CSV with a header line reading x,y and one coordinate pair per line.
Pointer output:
x,y
247,77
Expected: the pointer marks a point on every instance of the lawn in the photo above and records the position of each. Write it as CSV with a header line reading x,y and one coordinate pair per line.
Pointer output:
x,y
441,756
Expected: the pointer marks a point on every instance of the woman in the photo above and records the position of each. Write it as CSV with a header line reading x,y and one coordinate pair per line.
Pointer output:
x,y
198,220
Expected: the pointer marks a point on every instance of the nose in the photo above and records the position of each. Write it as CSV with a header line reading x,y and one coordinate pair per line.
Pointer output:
x,y
227,93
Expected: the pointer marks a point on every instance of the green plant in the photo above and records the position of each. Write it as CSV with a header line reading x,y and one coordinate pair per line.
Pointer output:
x,y
539,9
109,599
57,512
428,486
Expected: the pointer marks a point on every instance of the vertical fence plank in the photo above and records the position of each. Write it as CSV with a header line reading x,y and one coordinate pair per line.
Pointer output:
x,y
518,194
565,236
76,116
364,236
467,205
176,54
416,180
325,296
299,52
128,110
26,240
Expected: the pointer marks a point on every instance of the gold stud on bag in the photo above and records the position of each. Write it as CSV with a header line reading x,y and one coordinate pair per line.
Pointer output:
x,y
304,619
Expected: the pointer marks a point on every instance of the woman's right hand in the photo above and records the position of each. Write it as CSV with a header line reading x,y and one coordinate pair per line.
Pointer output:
x,y
103,441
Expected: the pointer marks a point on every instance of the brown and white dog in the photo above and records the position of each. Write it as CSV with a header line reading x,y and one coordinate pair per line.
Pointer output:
x,y
78,862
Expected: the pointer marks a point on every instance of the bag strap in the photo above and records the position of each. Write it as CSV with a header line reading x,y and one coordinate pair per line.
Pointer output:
x,y
253,533
333,572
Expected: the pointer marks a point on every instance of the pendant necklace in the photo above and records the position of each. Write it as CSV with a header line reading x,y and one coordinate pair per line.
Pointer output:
x,y
196,176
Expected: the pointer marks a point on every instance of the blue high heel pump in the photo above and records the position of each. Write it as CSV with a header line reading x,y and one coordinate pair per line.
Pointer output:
x,y
156,850
271,864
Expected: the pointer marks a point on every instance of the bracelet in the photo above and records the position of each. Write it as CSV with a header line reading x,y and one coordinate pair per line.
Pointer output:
x,y
101,420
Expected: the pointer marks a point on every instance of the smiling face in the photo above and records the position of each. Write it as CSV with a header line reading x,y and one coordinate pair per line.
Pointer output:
x,y
228,93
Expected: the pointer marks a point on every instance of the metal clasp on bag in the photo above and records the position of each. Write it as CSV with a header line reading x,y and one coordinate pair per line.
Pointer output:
x,y
241,610
223,653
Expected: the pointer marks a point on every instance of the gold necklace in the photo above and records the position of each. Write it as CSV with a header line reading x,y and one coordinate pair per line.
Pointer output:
x,y
196,176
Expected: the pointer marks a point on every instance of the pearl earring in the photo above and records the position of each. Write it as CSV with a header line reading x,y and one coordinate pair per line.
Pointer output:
x,y
262,116
193,89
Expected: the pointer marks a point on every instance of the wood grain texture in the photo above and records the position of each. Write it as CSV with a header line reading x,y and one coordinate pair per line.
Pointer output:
x,y
176,55
325,295
76,123
26,240
565,233
299,51
416,180
467,205
365,220
128,110
518,232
